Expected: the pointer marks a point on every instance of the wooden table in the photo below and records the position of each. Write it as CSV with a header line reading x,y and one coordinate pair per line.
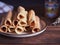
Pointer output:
x,y
50,36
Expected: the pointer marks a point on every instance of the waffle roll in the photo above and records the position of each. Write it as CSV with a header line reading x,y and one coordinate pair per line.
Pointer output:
x,y
19,30
8,19
14,19
11,29
22,16
31,18
37,26
3,28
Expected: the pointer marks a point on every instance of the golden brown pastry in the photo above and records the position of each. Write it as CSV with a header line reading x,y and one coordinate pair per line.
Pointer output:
x,y
31,18
19,29
3,28
11,29
22,16
37,26
20,22
21,13
8,19
14,19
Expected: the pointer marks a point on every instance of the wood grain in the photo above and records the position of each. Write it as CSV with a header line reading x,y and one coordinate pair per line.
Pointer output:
x,y
49,36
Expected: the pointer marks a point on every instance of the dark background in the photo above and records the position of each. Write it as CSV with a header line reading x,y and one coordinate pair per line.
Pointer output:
x,y
37,5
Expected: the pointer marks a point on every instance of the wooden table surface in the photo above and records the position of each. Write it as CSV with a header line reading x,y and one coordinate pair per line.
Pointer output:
x,y
50,36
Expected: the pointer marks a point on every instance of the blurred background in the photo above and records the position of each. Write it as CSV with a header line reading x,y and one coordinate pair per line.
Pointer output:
x,y
37,5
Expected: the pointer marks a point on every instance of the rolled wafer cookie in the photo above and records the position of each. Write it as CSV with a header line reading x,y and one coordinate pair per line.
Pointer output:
x,y
11,29
22,22
19,30
37,26
31,18
3,28
8,19
22,16
14,19
20,9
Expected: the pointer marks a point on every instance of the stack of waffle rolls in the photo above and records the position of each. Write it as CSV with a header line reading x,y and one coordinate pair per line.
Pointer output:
x,y
18,21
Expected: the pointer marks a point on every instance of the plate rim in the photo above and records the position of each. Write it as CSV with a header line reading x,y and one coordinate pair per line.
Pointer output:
x,y
26,35
29,35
